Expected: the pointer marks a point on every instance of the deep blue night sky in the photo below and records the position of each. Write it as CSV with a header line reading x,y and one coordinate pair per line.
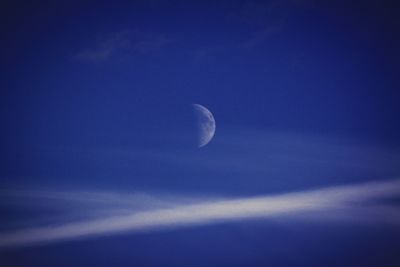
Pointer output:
x,y
96,96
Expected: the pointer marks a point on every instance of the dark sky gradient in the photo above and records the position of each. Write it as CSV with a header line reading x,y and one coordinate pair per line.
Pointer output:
x,y
97,96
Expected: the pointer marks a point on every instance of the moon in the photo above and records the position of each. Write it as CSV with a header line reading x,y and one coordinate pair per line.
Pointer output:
x,y
205,125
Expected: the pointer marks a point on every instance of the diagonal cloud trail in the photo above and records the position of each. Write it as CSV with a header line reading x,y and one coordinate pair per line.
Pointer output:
x,y
207,212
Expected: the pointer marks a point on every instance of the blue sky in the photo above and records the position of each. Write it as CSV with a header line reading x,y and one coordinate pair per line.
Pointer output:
x,y
98,130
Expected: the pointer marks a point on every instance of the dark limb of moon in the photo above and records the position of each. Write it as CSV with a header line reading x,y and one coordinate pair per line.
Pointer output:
x,y
205,125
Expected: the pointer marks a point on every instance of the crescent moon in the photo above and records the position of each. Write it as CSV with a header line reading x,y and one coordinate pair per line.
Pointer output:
x,y
205,125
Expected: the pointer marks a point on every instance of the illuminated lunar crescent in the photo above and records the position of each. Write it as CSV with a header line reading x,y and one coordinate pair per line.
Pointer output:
x,y
205,125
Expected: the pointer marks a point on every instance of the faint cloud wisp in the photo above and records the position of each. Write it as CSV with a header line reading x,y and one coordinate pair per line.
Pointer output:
x,y
125,42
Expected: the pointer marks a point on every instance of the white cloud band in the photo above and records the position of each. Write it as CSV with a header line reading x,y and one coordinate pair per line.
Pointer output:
x,y
206,212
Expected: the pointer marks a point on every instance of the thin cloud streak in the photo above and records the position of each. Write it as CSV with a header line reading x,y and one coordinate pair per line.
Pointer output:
x,y
126,41
207,212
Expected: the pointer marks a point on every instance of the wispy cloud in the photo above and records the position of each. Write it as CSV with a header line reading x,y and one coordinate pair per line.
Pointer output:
x,y
326,203
268,18
256,162
124,41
